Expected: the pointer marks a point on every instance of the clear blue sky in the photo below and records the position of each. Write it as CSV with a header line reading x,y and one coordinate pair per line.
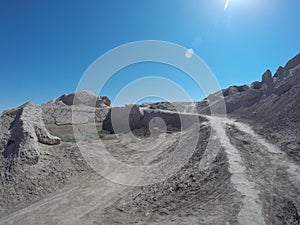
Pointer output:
x,y
46,45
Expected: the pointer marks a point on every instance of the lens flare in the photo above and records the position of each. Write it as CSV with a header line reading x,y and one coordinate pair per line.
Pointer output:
x,y
189,53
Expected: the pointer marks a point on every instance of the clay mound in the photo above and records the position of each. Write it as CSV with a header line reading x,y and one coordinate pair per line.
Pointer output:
x,y
86,98
33,163
21,131
76,108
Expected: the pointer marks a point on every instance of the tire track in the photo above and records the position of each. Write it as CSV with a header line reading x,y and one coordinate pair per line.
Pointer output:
x,y
272,170
251,212
279,157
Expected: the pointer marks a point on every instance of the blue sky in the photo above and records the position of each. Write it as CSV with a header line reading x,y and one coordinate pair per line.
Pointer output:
x,y
46,45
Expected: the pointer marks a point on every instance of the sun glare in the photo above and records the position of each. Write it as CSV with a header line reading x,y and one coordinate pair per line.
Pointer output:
x,y
226,5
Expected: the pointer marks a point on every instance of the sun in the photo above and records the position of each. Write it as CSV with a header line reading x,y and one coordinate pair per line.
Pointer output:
x,y
226,5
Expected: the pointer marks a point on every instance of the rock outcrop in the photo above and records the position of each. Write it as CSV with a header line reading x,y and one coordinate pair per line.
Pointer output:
x,y
245,99
267,78
22,129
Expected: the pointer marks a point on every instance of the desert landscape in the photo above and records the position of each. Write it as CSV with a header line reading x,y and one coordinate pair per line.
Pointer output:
x,y
238,166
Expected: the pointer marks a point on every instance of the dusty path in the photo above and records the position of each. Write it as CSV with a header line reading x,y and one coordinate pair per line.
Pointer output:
x,y
77,204
254,168
69,207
